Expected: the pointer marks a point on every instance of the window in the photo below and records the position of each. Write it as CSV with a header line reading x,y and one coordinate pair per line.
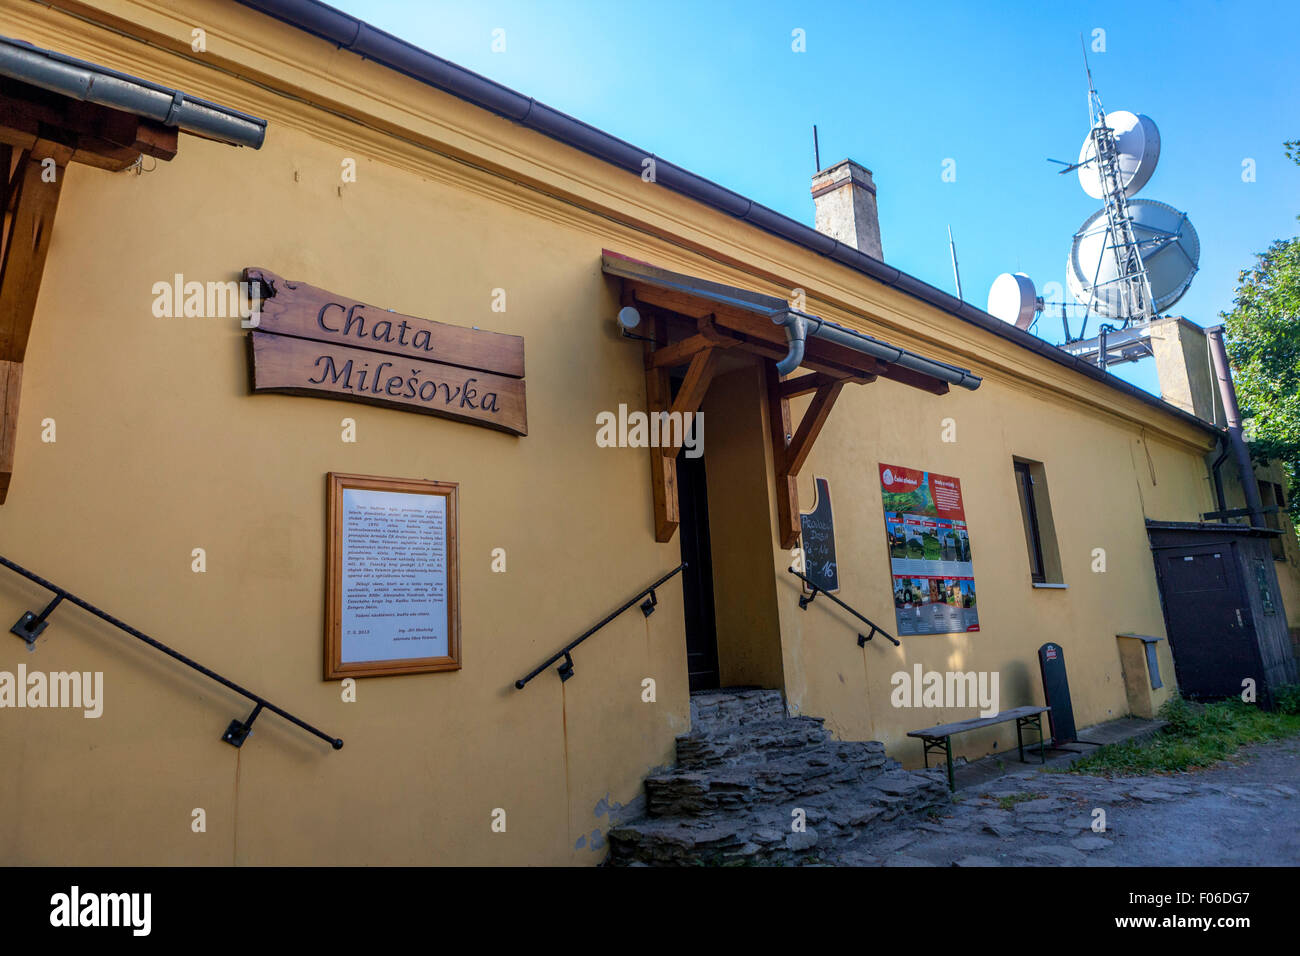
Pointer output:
x,y
1040,531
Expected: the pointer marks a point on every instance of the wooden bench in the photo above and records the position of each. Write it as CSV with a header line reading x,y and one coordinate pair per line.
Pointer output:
x,y
940,737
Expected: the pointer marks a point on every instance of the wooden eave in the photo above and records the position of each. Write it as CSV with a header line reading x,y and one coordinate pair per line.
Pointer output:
x,y
41,133
683,328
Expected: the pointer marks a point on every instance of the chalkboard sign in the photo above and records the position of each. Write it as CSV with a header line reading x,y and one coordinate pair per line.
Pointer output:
x,y
1056,693
819,541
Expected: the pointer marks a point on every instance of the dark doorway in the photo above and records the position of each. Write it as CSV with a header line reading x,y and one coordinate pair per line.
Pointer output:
x,y
697,579
1222,609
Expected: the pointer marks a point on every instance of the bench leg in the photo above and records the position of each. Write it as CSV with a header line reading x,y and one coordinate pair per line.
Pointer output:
x,y
928,744
1020,738
1042,750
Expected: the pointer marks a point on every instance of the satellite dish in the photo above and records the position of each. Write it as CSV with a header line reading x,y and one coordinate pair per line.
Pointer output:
x,y
1138,143
1012,298
1167,242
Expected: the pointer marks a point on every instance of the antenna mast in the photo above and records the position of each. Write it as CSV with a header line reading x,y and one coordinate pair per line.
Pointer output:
x,y
956,274
1131,288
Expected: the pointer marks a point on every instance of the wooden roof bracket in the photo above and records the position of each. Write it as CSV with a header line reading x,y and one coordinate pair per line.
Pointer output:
x,y
699,353
29,196
55,111
791,446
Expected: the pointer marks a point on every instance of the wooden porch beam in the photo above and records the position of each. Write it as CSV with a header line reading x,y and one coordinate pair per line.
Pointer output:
x,y
27,240
906,376
691,393
32,201
663,470
680,353
11,383
794,387
787,490
97,135
810,427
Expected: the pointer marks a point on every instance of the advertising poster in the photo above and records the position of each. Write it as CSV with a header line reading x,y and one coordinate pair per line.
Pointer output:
x,y
929,552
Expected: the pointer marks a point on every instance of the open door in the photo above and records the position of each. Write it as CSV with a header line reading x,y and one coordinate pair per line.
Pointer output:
x,y
697,579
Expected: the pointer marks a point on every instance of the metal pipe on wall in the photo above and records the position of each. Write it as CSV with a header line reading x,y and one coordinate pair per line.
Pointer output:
x,y
1236,438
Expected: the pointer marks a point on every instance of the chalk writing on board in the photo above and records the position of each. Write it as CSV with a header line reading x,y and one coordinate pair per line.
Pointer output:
x,y
818,541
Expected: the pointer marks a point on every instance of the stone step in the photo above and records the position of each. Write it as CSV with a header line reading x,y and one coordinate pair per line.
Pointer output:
x,y
716,709
759,740
813,770
764,834
747,773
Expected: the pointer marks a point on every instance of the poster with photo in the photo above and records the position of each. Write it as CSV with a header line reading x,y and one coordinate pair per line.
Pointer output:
x,y
929,552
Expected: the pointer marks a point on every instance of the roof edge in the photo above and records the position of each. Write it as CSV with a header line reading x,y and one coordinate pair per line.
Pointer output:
x,y
347,32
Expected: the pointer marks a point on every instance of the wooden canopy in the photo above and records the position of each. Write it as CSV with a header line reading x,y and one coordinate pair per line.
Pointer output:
x,y
690,322
42,132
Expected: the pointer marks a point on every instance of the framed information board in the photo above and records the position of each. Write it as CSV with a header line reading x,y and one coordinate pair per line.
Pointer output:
x,y
392,587
929,552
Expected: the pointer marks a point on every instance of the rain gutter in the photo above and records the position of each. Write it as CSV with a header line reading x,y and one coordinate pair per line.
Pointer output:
x,y
349,33
91,83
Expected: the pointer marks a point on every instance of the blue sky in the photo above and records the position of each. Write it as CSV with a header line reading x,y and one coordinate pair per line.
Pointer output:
x,y
902,87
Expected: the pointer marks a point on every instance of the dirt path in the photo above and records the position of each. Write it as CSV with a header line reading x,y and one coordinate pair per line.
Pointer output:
x,y
1240,813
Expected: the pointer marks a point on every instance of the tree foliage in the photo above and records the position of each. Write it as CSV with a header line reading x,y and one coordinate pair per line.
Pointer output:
x,y
1263,341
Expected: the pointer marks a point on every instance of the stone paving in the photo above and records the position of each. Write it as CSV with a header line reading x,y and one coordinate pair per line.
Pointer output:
x,y
746,767
746,772
1242,812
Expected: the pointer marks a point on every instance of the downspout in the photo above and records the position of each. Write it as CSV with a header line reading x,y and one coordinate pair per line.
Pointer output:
x,y
796,332
1232,415
1218,478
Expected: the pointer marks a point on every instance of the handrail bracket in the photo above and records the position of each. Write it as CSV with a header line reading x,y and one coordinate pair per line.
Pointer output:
x,y
815,589
30,626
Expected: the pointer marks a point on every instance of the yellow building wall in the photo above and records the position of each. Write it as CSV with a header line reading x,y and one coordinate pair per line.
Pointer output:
x,y
162,449
1102,488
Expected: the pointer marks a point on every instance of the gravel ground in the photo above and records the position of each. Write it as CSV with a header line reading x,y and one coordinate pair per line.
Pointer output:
x,y
1245,812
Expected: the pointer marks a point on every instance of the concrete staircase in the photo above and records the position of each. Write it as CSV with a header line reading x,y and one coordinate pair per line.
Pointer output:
x,y
742,771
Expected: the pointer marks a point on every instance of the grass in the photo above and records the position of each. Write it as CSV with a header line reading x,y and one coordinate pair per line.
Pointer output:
x,y
1007,802
1198,736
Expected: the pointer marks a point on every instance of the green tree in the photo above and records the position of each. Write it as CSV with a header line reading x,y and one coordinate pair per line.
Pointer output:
x,y
1263,341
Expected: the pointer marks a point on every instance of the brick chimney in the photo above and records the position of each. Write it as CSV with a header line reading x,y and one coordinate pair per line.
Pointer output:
x,y
845,196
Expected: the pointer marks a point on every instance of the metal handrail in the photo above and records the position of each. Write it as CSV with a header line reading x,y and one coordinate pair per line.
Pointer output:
x,y
30,626
806,599
565,670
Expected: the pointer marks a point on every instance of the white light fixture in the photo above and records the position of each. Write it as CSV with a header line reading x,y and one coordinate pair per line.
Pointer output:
x,y
628,318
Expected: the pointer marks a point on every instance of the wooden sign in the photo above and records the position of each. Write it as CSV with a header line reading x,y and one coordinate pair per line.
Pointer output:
x,y
392,602
818,539
282,363
307,341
